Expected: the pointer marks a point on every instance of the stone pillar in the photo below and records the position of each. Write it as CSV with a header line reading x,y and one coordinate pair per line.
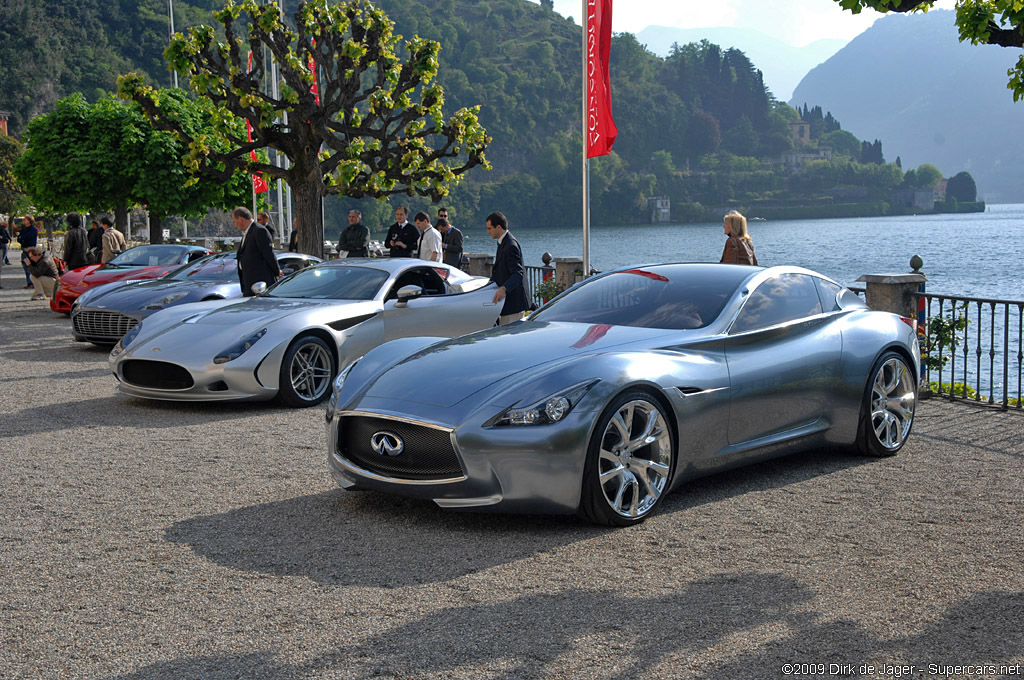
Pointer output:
x,y
565,271
893,292
480,264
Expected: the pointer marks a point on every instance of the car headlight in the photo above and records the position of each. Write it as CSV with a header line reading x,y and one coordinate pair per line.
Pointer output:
x,y
339,382
239,348
168,300
127,338
549,410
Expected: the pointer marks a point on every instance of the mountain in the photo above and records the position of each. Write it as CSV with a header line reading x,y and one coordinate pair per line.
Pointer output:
x,y
909,82
782,64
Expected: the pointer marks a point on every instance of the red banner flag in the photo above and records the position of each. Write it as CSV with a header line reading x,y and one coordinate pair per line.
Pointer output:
x,y
259,185
600,126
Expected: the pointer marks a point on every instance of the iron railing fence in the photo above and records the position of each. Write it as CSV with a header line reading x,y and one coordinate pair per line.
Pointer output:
x,y
535,277
976,346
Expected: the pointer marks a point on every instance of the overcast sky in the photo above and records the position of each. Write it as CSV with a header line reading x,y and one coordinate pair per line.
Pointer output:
x,y
796,22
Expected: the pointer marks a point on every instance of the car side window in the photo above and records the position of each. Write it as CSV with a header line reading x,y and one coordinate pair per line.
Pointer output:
x,y
424,277
192,257
782,298
829,293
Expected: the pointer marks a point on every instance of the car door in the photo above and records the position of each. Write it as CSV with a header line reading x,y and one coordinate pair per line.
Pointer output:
x,y
783,356
439,311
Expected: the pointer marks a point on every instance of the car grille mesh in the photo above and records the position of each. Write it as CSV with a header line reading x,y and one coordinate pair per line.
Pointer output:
x,y
428,452
158,375
103,325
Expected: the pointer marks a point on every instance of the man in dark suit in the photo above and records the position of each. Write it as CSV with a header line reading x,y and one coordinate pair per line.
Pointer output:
x,y
508,272
402,237
256,260
451,238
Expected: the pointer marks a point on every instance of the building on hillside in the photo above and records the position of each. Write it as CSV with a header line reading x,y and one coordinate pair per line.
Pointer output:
x,y
4,115
661,209
795,160
849,193
940,190
800,130
914,199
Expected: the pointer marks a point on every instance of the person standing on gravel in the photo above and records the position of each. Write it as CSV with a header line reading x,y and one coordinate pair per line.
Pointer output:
x,y
113,241
76,242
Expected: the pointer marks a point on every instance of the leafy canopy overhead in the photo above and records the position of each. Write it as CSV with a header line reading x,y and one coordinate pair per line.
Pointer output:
x,y
981,22
374,127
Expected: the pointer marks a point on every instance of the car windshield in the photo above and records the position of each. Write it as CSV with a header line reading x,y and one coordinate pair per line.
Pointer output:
x,y
149,256
675,297
331,283
219,267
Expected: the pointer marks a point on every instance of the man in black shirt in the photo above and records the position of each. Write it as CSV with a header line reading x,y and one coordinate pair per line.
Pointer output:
x,y
402,236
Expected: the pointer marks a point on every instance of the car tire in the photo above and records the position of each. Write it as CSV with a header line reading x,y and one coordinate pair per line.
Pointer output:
x,y
630,461
887,411
307,370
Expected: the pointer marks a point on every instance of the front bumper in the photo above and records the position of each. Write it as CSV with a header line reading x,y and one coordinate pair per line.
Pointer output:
x,y
101,326
171,381
535,469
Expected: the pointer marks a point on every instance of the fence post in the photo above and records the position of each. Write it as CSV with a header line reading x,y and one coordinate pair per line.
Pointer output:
x,y
896,293
565,271
480,264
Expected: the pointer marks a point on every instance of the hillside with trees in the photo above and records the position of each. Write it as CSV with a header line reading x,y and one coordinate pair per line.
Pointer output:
x,y
698,126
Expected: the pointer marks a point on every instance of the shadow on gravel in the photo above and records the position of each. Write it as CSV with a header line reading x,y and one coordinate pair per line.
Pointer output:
x,y
120,411
71,375
607,634
56,353
374,539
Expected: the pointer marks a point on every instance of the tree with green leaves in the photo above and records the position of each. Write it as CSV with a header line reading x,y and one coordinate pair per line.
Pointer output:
x,y
108,156
961,187
980,22
10,192
351,116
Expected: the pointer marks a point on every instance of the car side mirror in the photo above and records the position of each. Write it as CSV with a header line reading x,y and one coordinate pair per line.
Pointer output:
x,y
407,293
259,288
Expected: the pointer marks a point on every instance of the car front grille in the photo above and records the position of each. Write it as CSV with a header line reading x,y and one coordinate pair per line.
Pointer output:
x,y
158,375
427,452
102,325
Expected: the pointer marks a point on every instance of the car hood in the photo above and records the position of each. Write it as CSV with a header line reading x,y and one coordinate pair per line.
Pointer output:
x,y
445,373
261,310
99,274
133,296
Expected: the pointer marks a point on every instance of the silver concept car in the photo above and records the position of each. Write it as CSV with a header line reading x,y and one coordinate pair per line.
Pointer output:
x,y
624,387
102,315
290,341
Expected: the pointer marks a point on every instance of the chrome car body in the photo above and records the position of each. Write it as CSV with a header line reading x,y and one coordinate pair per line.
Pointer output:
x,y
102,315
290,341
624,387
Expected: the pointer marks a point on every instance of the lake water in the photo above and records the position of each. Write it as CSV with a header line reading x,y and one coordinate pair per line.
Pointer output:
x,y
977,254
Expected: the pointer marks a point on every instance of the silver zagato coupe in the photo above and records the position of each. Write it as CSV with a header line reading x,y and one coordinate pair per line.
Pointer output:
x,y
290,341
624,387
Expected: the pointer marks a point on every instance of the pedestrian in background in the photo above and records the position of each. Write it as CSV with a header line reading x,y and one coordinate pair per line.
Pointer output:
x,y
739,247
355,239
430,245
264,219
76,242
402,237
28,237
114,242
293,240
255,259
95,242
43,272
451,241
5,239
508,272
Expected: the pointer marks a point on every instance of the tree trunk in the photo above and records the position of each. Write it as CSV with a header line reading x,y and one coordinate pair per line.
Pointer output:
x,y
121,221
310,218
156,228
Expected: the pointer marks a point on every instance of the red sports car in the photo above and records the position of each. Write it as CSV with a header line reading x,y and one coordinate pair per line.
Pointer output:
x,y
141,262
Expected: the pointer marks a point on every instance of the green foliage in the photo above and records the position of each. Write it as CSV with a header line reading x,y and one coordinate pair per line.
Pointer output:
x,y
547,290
961,186
10,192
928,176
941,338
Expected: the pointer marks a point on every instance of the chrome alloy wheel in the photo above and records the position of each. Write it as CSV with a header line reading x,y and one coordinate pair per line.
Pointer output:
x,y
635,458
310,371
892,403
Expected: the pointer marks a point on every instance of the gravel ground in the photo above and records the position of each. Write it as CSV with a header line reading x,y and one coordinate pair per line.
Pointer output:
x,y
151,540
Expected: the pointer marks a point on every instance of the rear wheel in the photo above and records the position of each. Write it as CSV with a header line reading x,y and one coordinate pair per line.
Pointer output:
x,y
888,410
306,372
629,461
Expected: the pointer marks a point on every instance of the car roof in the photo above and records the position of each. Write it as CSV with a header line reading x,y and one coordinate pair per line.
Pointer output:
x,y
388,264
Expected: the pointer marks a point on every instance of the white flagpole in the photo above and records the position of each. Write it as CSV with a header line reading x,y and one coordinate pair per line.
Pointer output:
x,y
586,161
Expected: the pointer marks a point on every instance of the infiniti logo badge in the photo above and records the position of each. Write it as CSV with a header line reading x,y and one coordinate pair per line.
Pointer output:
x,y
387,444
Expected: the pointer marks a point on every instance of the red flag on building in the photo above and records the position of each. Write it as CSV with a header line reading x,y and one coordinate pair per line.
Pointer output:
x,y
600,126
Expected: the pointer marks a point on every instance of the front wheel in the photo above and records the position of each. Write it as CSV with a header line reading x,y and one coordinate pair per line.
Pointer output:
x,y
888,410
306,372
629,461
